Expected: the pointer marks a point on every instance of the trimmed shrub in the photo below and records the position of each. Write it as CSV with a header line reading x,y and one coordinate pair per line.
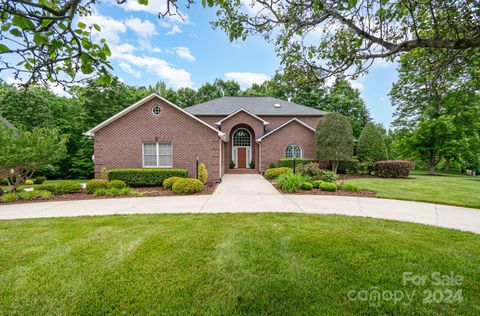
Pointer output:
x,y
275,172
51,187
328,186
307,186
202,173
9,197
290,182
168,183
393,168
272,165
187,186
26,195
350,166
65,187
100,192
350,187
118,184
251,165
310,170
371,145
29,182
329,176
145,177
288,162
40,180
95,184
316,184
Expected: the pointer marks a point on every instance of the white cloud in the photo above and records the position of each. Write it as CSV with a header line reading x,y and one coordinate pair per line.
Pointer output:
x,y
110,28
357,84
145,45
128,69
123,48
175,30
247,78
184,53
176,77
154,7
143,28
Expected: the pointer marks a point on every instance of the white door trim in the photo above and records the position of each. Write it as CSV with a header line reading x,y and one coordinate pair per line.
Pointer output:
x,y
249,149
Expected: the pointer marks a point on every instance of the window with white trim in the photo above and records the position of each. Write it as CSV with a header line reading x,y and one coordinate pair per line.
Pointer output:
x,y
293,151
157,155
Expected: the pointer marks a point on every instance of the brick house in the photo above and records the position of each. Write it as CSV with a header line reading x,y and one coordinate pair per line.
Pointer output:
x,y
155,133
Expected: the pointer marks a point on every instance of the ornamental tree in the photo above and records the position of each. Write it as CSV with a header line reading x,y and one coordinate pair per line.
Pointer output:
x,y
334,139
23,153
371,146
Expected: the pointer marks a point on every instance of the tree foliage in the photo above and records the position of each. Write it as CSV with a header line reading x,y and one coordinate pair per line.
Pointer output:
x,y
334,139
371,146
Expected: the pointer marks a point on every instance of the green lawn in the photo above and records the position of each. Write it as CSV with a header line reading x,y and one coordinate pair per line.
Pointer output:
x,y
452,189
229,264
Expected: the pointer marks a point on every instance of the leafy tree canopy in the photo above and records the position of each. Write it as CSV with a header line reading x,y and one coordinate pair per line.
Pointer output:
x,y
371,145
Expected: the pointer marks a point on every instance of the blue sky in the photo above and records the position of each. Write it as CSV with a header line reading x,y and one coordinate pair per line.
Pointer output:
x,y
189,52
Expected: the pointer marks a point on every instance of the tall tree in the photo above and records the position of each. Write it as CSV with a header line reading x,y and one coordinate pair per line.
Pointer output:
x,y
334,139
371,146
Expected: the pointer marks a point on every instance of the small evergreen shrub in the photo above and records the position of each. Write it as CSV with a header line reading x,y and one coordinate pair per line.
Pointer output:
x,y
119,184
329,176
251,165
150,177
275,172
232,164
316,184
51,187
40,180
290,182
187,186
202,173
68,186
100,192
168,183
393,168
349,166
371,145
29,182
288,162
26,196
307,186
9,197
328,186
350,187
94,184
272,165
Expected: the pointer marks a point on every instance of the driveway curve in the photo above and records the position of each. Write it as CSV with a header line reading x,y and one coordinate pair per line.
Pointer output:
x,y
252,193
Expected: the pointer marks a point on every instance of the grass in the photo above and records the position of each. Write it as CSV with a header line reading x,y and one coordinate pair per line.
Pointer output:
x,y
46,182
451,189
232,264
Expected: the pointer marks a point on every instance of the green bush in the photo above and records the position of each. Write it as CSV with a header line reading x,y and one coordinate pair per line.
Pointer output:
x,y
40,180
288,162
316,184
68,186
113,191
350,166
202,173
51,187
393,168
329,176
275,172
272,165
187,186
307,186
29,182
328,186
26,195
100,192
119,184
371,146
350,187
290,182
310,170
9,197
252,164
145,177
94,184
168,183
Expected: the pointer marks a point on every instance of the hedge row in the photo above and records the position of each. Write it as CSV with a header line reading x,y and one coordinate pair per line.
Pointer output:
x,y
145,177
393,168
288,162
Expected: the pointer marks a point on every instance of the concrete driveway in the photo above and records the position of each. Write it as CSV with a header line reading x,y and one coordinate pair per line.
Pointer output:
x,y
252,193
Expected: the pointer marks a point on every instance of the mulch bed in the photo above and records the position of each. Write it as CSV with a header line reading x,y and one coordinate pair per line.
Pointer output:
x,y
146,191
339,192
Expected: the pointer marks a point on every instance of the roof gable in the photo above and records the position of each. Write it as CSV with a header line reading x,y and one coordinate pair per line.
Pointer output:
x,y
245,111
261,106
285,124
113,118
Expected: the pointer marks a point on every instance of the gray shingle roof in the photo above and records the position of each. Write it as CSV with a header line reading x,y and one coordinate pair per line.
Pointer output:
x,y
254,105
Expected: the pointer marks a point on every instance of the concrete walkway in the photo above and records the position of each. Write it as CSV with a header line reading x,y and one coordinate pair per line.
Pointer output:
x,y
252,193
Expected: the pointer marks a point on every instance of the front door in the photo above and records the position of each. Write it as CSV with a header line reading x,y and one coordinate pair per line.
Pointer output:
x,y
241,157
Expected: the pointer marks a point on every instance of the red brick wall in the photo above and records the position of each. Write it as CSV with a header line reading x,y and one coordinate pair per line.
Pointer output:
x,y
119,144
272,147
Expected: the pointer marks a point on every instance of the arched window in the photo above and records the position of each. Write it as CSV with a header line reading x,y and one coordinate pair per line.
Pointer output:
x,y
241,137
293,151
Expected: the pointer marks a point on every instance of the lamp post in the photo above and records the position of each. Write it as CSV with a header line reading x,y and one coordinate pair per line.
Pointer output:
x,y
196,166
294,165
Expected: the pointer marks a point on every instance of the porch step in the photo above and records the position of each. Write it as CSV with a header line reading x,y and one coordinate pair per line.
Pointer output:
x,y
241,171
